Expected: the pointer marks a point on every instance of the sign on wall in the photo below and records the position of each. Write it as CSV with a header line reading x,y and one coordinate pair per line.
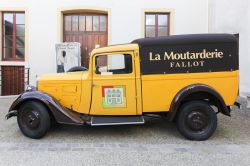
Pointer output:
x,y
68,55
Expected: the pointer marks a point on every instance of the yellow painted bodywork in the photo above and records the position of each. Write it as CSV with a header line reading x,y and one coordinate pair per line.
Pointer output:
x,y
127,81
82,91
159,90
67,88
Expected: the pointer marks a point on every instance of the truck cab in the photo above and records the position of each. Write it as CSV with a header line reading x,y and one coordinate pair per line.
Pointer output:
x,y
187,79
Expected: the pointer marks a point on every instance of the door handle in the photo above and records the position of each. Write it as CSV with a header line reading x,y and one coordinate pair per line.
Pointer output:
x,y
94,85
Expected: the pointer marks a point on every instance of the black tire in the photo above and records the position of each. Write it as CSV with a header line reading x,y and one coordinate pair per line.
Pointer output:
x,y
196,120
33,119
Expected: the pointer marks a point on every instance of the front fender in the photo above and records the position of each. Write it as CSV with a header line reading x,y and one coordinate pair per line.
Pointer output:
x,y
60,113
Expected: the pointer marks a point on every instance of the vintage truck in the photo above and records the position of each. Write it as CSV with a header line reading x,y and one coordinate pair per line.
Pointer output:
x,y
186,79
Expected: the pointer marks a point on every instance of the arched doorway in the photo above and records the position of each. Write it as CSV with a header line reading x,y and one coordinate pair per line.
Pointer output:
x,y
88,28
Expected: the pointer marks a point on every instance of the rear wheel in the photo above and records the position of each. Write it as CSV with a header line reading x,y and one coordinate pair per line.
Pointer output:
x,y
196,120
33,119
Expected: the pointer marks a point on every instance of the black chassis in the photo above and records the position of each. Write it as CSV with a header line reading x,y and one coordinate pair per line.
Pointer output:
x,y
64,115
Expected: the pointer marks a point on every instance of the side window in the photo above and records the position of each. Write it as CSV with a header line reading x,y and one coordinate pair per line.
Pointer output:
x,y
113,64
157,24
13,32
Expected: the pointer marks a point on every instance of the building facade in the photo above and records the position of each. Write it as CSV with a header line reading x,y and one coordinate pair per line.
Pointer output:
x,y
30,29
229,16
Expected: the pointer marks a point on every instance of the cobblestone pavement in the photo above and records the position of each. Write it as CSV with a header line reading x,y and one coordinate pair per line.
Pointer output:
x,y
155,143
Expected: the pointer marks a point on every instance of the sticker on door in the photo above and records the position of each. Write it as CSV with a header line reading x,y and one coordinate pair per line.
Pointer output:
x,y
113,96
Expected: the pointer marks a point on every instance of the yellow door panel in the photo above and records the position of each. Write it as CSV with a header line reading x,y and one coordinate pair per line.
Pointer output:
x,y
114,91
85,96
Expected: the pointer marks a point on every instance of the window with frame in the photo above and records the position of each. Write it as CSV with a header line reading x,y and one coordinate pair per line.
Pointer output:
x,y
157,24
85,23
113,64
13,36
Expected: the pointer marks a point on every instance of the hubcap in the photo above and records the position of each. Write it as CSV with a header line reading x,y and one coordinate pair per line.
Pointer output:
x,y
197,121
31,119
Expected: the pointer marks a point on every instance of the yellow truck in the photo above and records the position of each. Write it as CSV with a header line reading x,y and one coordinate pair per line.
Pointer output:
x,y
186,79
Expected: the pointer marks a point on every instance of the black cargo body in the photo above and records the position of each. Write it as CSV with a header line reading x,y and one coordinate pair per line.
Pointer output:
x,y
188,54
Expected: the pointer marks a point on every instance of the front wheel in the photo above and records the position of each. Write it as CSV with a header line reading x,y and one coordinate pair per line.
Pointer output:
x,y
196,120
33,119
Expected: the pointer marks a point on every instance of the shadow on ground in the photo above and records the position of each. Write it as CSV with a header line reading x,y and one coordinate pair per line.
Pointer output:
x,y
231,130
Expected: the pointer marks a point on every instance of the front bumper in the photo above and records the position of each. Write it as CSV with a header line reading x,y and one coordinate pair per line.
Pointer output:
x,y
238,105
11,114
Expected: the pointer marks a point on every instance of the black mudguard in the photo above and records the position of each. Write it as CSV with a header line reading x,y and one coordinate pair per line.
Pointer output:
x,y
61,114
182,94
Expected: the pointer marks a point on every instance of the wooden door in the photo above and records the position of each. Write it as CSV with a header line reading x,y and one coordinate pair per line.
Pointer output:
x,y
12,80
90,30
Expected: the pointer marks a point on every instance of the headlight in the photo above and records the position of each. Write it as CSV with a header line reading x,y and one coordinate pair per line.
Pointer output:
x,y
30,88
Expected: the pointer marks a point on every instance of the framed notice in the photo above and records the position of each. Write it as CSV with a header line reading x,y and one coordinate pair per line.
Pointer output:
x,y
68,55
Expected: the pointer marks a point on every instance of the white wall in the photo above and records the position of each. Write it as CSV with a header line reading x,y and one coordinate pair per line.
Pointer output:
x,y
231,16
126,23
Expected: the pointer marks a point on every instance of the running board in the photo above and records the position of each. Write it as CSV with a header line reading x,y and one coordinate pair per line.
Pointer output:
x,y
116,120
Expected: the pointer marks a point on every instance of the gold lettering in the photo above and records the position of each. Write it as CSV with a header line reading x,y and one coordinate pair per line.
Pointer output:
x,y
197,55
202,63
192,56
177,64
183,56
176,56
183,64
220,54
187,55
166,56
213,54
156,57
203,54
196,63
171,64
208,55
150,56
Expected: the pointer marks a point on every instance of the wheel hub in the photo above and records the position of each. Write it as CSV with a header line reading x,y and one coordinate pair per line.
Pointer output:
x,y
197,120
31,119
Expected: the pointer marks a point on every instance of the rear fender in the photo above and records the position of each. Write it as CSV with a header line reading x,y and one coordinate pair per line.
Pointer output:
x,y
192,89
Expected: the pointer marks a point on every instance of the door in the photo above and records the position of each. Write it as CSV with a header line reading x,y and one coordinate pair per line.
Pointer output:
x,y
90,30
114,89
12,80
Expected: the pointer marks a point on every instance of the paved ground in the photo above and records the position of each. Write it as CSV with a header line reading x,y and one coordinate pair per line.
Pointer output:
x,y
155,143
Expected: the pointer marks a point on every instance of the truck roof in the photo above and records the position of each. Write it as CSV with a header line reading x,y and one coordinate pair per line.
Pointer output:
x,y
113,48
193,53
186,39
169,40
